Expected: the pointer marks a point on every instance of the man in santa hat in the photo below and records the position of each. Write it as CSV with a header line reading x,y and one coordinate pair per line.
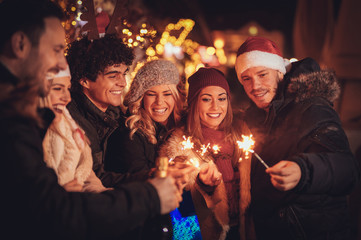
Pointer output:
x,y
303,194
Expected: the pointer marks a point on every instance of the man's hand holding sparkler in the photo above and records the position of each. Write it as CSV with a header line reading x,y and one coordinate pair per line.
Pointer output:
x,y
285,175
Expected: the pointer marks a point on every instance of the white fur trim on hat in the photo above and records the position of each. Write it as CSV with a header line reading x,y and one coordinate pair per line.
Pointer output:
x,y
63,73
259,58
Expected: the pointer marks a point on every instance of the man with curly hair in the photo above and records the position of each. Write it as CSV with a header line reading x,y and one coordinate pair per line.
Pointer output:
x,y
98,68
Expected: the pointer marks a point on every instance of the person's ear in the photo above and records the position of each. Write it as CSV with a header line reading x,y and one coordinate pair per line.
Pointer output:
x,y
85,83
239,78
20,44
280,75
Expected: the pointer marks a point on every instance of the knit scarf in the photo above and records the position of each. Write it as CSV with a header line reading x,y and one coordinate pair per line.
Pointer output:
x,y
223,161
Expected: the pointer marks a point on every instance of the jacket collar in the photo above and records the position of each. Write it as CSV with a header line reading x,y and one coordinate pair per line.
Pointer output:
x,y
92,112
6,76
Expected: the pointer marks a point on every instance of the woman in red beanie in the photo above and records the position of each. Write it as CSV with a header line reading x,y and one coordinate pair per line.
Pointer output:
x,y
221,187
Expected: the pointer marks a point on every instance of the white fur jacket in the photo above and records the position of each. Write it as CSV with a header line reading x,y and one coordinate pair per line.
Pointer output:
x,y
212,210
67,151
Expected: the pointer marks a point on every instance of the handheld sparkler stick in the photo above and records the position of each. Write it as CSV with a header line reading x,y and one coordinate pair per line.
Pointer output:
x,y
247,145
260,159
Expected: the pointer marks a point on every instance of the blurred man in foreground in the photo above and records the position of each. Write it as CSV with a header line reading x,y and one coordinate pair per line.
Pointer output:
x,y
33,204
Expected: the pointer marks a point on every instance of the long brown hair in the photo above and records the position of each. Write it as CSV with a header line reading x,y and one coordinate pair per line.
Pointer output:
x,y
194,128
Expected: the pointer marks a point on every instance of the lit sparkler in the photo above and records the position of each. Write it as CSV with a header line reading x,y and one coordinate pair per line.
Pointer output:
x,y
247,145
202,153
204,149
216,149
187,143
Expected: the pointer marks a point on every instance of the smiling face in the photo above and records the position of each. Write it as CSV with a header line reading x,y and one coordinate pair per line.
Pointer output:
x,y
159,103
59,94
212,106
108,87
260,84
47,56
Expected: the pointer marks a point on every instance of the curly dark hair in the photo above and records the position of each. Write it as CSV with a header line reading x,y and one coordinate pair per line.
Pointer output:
x,y
87,58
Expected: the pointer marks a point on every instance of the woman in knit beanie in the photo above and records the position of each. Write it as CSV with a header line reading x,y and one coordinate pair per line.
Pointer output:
x,y
66,148
221,187
155,105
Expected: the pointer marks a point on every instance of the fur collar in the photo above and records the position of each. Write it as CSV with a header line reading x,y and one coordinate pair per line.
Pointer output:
x,y
321,83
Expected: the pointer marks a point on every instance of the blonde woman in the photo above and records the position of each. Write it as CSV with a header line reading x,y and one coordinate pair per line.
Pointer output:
x,y
154,105
66,148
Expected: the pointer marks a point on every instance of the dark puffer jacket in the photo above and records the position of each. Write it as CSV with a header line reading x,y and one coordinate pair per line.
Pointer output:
x,y
303,127
98,126
125,155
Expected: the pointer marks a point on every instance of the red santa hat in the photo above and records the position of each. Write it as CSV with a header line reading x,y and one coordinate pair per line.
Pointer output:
x,y
259,51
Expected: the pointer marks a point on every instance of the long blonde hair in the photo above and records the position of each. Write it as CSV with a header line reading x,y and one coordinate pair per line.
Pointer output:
x,y
140,119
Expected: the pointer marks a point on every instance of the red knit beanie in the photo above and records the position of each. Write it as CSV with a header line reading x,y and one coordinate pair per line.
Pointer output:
x,y
205,77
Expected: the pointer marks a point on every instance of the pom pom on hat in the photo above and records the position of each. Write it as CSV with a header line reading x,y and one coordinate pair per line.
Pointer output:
x,y
259,51
153,73
205,77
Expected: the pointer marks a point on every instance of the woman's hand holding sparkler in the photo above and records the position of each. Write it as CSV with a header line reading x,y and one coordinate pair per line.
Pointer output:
x,y
285,175
179,169
209,174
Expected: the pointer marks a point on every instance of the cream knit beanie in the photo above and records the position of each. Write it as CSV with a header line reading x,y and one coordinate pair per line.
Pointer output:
x,y
153,73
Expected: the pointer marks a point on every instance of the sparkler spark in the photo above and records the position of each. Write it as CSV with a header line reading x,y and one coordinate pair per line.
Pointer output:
x,y
204,149
216,149
194,162
187,143
247,145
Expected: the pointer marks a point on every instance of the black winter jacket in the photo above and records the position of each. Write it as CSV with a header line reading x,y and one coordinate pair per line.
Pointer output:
x,y
125,155
303,127
33,205
98,126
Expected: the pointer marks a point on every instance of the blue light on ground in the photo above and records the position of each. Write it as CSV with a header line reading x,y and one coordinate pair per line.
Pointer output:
x,y
185,228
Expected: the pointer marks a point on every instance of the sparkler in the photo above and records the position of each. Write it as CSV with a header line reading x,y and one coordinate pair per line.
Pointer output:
x,y
187,143
204,149
202,153
247,145
216,149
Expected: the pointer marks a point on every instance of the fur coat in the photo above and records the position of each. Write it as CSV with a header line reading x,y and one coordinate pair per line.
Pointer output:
x,y
66,150
211,209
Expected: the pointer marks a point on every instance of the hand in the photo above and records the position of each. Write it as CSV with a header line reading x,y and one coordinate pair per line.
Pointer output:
x,y
94,184
168,193
210,175
180,172
285,175
73,186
